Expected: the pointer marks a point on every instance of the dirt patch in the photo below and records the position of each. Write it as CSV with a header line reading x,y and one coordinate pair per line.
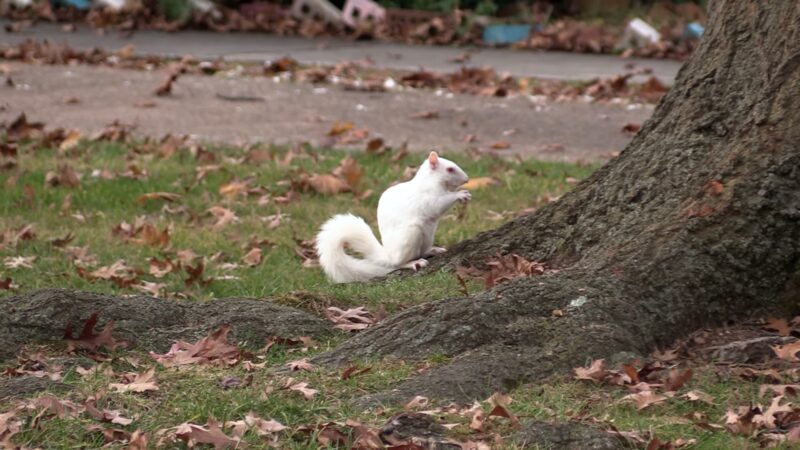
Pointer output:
x,y
147,322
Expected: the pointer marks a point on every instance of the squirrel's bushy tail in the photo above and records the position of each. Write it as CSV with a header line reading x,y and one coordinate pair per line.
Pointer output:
x,y
347,229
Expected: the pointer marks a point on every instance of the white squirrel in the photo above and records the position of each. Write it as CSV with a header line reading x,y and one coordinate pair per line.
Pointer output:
x,y
407,217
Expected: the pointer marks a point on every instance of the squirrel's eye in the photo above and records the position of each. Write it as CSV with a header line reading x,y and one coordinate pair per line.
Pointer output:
x,y
451,170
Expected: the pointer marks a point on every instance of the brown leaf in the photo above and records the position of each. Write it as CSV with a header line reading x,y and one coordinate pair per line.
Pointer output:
x,y
501,411
699,396
354,371
151,288
339,128
301,387
194,434
501,145
136,382
781,326
645,398
196,275
90,341
350,171
70,141
374,145
159,268
503,268
61,242
166,196
480,182
119,273
150,235
65,176
631,127
236,382
138,441
106,415
328,184
676,379
779,389
307,252
235,188
787,352
212,349
253,257
594,373
432,114
223,216
350,320
300,364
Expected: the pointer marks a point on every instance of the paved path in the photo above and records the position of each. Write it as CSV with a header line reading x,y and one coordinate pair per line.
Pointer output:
x,y
261,47
285,112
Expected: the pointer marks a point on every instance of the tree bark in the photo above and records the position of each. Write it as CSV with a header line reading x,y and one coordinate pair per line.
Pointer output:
x,y
697,221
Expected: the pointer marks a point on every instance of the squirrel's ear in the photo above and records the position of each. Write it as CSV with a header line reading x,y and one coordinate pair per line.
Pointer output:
x,y
433,159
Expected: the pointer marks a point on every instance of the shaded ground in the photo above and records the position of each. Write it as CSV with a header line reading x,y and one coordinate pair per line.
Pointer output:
x,y
259,47
285,112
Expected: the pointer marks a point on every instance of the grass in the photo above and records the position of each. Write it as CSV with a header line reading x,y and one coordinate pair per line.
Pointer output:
x,y
98,205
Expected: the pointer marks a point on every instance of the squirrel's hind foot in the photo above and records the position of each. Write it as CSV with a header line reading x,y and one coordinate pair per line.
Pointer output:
x,y
415,264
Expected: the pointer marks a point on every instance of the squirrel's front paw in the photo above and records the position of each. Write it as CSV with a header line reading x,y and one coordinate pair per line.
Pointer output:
x,y
463,196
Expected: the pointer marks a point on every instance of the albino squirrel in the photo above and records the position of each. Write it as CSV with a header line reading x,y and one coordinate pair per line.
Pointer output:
x,y
407,217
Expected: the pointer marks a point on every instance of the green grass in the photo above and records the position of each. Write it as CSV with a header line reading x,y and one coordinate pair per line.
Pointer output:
x,y
105,203
194,394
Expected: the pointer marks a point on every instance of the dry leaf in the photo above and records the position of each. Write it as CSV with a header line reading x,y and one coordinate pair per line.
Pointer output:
x,y
212,349
480,182
166,196
137,382
253,257
645,398
88,340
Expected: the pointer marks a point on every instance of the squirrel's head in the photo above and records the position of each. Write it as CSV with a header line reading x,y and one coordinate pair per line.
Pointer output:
x,y
445,170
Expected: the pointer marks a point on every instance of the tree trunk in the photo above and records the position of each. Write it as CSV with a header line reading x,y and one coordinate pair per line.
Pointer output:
x,y
697,221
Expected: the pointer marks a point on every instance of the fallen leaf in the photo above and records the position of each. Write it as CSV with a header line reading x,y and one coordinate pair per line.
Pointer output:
x,y
328,184
137,382
432,114
594,373
166,196
339,128
676,379
501,145
349,170
236,382
19,262
787,352
631,127
301,387
645,398
223,216
699,396
151,288
70,141
374,145
88,340
354,371
253,257
212,349
194,434
350,320
781,326
300,364
779,389
480,182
